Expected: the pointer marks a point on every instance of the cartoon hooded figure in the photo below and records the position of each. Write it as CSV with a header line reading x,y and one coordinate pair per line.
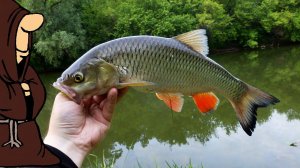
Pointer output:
x,y
22,94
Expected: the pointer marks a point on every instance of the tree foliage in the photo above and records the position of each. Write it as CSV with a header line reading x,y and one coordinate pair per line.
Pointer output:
x,y
72,27
214,17
62,36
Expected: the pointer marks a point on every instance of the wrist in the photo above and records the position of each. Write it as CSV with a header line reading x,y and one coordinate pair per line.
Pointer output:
x,y
66,146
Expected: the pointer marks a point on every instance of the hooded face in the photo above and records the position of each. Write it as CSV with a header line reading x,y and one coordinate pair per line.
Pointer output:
x,y
10,19
17,25
18,80
82,80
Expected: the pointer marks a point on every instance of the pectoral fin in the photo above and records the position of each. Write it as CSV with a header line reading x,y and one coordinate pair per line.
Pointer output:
x,y
173,100
206,102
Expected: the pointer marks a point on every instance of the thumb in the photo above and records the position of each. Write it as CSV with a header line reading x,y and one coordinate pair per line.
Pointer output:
x,y
110,103
31,22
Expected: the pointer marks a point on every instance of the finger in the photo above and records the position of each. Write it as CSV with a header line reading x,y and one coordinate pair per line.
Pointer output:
x,y
121,93
25,86
62,97
99,98
32,22
87,102
110,103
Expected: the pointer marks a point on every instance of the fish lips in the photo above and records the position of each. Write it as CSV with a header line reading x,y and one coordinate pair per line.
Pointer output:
x,y
67,91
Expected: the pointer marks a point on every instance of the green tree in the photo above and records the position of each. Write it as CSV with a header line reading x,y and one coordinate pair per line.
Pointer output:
x,y
72,27
246,16
152,18
281,19
99,19
62,36
218,22
267,21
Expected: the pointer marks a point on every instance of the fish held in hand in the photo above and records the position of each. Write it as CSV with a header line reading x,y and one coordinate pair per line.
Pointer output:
x,y
170,67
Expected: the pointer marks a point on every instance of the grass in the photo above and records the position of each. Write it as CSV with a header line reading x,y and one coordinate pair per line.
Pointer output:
x,y
175,165
94,161
109,163
104,163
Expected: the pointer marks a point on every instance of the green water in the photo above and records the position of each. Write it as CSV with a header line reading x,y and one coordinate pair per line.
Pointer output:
x,y
145,132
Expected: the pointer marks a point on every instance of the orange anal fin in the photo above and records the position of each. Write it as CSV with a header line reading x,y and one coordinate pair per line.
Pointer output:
x,y
206,102
173,100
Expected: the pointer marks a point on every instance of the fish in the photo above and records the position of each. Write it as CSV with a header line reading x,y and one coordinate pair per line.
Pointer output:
x,y
169,67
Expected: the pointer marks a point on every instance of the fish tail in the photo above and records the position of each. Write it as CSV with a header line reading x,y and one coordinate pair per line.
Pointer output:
x,y
247,105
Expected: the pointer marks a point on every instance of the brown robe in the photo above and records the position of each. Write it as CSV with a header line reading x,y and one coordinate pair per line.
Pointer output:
x,y
12,99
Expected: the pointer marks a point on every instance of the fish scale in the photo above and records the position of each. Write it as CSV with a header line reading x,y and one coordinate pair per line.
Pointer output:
x,y
170,67
165,58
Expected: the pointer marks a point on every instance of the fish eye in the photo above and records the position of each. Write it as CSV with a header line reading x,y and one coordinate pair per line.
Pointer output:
x,y
78,77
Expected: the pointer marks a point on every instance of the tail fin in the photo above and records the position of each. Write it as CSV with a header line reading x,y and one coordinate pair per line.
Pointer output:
x,y
247,105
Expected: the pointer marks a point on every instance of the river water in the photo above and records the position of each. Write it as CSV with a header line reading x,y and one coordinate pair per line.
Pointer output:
x,y
145,133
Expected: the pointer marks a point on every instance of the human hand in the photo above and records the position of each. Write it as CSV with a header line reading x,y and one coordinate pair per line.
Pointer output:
x,y
25,88
76,129
29,23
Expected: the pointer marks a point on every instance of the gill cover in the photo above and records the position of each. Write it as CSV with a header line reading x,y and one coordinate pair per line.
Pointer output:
x,y
108,74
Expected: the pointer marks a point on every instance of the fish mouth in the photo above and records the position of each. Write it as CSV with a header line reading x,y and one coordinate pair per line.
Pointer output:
x,y
67,91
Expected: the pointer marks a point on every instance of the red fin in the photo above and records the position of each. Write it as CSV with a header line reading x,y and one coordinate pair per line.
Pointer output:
x,y
173,101
206,102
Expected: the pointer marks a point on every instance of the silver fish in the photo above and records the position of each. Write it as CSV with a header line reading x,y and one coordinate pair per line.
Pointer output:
x,y
170,67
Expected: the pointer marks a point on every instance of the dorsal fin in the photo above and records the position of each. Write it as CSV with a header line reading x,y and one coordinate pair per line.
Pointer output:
x,y
195,39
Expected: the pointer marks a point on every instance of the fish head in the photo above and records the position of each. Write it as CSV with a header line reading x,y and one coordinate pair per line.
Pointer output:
x,y
85,79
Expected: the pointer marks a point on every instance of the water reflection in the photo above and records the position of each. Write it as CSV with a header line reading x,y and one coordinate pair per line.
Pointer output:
x,y
267,148
145,131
